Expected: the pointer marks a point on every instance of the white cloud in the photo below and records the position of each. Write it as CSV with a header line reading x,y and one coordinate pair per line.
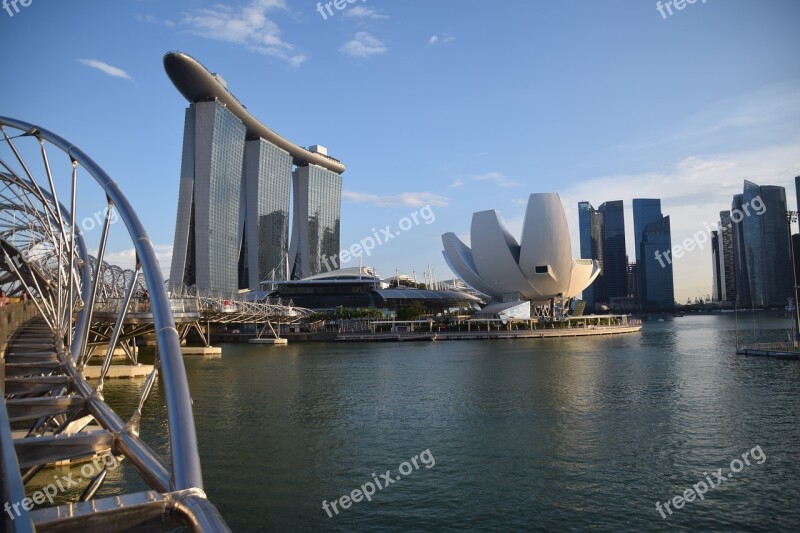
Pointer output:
x,y
150,19
407,199
456,184
247,26
363,45
499,179
445,38
105,68
692,194
126,259
362,12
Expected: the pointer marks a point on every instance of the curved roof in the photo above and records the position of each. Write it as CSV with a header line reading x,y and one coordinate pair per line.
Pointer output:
x,y
539,267
197,84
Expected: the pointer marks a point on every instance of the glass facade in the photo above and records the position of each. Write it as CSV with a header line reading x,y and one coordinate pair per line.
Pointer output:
x,y
232,229
268,178
739,255
727,265
210,222
316,222
645,211
591,232
615,258
655,270
767,245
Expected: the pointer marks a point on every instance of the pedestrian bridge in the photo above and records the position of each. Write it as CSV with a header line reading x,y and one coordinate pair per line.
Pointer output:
x,y
85,308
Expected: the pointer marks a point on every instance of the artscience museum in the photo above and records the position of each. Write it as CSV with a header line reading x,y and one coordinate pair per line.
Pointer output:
x,y
539,268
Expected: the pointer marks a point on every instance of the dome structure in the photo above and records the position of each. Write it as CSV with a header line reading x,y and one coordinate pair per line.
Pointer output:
x,y
538,268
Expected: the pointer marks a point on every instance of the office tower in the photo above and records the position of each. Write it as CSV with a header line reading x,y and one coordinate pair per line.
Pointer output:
x,y
615,259
767,244
591,230
797,194
654,271
316,221
726,256
717,290
743,298
209,227
268,178
645,211
233,207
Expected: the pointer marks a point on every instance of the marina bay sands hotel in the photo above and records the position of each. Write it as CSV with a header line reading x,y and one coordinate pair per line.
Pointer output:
x,y
237,178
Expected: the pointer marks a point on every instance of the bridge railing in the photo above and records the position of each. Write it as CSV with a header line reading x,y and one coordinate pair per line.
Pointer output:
x,y
183,305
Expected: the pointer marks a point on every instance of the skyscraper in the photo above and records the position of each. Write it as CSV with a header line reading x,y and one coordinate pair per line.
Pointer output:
x,y
591,231
717,289
232,229
615,259
209,227
727,265
739,256
645,211
656,275
315,226
268,178
767,244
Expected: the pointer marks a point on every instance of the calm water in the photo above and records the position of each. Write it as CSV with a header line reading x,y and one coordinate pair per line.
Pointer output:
x,y
561,434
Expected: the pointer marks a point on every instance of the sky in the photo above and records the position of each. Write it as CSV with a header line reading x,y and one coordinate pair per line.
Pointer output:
x,y
458,105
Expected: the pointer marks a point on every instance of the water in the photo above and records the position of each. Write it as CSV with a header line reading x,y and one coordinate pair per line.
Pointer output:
x,y
540,434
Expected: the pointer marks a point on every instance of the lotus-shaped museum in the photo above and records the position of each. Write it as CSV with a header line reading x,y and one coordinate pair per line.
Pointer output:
x,y
538,268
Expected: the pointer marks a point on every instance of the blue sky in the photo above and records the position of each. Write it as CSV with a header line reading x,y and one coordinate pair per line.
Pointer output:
x,y
463,105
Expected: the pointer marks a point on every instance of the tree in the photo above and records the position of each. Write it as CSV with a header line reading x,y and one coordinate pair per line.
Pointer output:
x,y
412,312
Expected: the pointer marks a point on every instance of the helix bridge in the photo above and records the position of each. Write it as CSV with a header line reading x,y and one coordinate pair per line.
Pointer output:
x,y
86,312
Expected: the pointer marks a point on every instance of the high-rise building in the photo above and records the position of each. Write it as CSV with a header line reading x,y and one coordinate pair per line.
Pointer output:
x,y
232,229
739,256
797,194
591,232
645,211
727,265
767,245
717,289
208,231
655,274
268,178
315,226
615,258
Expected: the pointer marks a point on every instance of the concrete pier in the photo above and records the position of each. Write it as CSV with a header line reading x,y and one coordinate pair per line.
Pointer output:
x,y
118,371
272,341
201,350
